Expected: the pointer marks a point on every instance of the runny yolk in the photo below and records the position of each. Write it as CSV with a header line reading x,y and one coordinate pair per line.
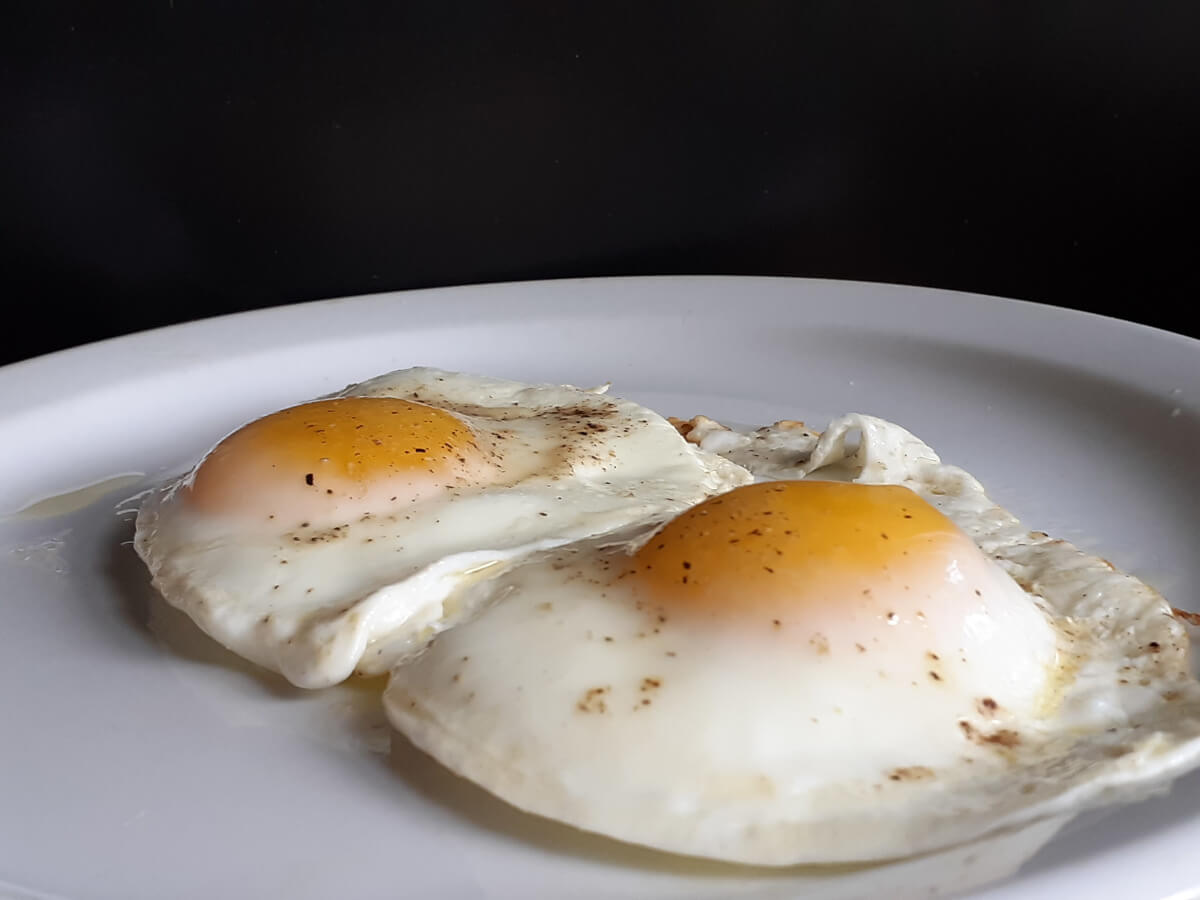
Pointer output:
x,y
337,457
818,549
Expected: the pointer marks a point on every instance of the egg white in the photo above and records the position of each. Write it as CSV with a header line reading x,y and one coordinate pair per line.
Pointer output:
x,y
561,699
320,600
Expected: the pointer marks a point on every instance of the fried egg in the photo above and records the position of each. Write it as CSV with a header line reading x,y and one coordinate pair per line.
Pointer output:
x,y
860,657
322,539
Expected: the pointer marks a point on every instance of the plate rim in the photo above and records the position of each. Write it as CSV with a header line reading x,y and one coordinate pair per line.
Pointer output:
x,y
146,338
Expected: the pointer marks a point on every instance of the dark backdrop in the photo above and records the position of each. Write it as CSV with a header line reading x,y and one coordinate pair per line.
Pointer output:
x,y
170,160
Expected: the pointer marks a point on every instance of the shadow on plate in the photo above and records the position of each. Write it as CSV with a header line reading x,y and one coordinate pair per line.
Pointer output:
x,y
1109,829
146,611
466,800
950,871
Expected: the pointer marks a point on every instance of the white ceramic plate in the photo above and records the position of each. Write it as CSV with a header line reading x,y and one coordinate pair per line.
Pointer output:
x,y
137,759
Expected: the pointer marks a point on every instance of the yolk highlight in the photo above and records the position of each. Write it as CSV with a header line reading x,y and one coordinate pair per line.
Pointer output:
x,y
334,450
780,547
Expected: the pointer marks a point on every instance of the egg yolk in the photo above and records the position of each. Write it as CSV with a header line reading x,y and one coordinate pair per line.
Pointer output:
x,y
818,550
338,458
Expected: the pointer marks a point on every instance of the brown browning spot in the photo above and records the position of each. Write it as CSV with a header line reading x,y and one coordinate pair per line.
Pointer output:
x,y
1002,737
686,427
1028,788
1023,581
683,426
593,701
820,643
790,425
1190,617
987,707
911,773
1171,696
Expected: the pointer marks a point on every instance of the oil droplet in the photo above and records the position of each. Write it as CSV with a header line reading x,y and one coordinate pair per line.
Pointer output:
x,y
73,501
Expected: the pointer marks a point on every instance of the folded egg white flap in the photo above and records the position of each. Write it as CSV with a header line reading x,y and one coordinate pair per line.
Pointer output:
x,y
325,539
1028,679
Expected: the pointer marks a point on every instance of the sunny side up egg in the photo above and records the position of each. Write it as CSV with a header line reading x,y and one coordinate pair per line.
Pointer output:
x,y
861,657
324,539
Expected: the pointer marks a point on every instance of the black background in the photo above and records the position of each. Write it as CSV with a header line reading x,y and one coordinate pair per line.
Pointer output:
x,y
167,161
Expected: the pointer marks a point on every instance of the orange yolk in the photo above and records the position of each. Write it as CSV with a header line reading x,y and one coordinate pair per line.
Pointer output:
x,y
334,456
801,548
